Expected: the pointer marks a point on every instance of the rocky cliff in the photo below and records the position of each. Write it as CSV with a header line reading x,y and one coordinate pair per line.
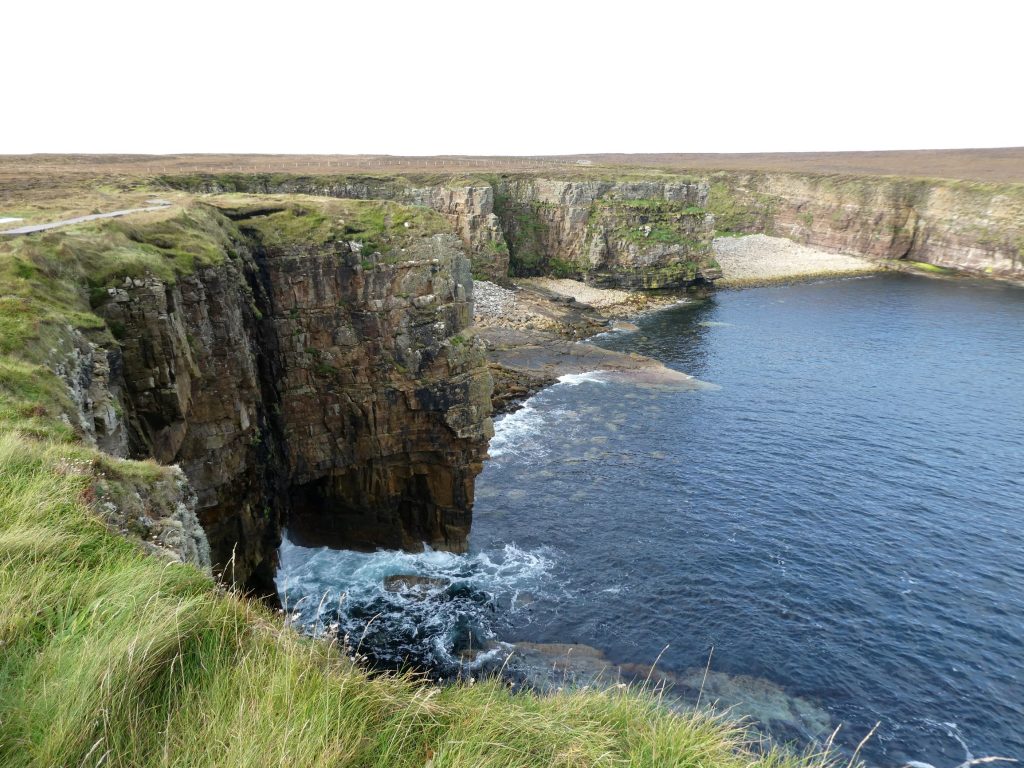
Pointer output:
x,y
970,227
652,230
645,233
315,373
467,204
384,406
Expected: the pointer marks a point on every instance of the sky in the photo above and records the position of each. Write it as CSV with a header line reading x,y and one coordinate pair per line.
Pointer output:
x,y
509,78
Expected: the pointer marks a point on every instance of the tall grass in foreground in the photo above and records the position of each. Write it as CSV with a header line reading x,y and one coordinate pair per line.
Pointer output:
x,y
110,657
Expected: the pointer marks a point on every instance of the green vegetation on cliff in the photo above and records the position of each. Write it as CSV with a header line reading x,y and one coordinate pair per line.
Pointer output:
x,y
526,230
735,217
377,225
49,283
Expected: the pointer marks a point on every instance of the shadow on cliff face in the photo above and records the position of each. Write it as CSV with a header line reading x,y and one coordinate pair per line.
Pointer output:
x,y
387,505
313,369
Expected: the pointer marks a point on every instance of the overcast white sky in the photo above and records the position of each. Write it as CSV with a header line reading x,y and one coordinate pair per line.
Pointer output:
x,y
514,77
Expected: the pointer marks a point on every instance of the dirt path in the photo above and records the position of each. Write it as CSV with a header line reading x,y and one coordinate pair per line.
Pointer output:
x,y
30,228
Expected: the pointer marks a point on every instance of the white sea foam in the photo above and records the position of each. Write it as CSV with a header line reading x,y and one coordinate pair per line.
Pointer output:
x,y
953,731
344,592
520,432
575,379
524,432
613,331
308,566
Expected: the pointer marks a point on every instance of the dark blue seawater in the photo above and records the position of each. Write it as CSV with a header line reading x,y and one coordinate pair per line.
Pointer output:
x,y
841,515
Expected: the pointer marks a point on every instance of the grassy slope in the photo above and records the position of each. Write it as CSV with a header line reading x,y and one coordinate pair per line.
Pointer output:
x,y
115,658
111,657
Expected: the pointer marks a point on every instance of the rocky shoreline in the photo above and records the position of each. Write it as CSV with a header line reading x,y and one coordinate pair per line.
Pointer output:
x,y
534,334
535,329
779,717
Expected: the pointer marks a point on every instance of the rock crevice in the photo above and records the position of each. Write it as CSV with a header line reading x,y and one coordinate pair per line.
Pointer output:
x,y
312,383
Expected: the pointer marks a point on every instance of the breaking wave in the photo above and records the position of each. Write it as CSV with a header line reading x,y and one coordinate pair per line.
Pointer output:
x,y
432,611
525,432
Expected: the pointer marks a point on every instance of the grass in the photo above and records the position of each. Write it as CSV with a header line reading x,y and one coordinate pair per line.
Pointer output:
x,y
287,220
661,234
114,658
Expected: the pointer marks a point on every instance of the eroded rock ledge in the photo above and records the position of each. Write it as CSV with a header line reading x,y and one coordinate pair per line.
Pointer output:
x,y
309,378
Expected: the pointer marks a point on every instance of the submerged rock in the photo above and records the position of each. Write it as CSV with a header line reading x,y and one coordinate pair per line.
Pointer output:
x,y
781,716
548,667
411,583
765,704
524,362
622,325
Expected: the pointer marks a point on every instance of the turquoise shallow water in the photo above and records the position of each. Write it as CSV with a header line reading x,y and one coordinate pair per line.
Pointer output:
x,y
842,515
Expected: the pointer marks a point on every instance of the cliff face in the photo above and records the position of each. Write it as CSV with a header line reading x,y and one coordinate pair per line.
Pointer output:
x,y
655,232
646,234
468,206
92,373
307,377
383,405
470,209
192,396
631,234
971,227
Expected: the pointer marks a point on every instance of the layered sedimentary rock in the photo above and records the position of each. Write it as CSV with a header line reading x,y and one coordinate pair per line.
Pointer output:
x,y
92,374
383,405
470,209
588,227
467,205
193,396
647,234
305,377
970,227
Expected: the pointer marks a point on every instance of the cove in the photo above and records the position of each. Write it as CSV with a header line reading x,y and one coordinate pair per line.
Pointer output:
x,y
837,518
